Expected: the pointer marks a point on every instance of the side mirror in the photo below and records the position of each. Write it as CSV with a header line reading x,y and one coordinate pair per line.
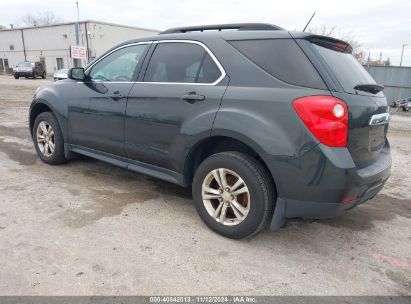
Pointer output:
x,y
76,74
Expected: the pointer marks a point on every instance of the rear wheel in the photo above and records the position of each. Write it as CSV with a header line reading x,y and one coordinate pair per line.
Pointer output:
x,y
48,139
233,194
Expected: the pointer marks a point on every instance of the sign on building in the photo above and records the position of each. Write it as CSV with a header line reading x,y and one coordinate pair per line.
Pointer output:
x,y
78,52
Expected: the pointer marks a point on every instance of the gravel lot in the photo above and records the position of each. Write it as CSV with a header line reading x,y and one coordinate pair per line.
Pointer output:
x,y
89,228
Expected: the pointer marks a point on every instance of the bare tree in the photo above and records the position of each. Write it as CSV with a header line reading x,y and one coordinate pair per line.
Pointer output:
x,y
45,18
332,31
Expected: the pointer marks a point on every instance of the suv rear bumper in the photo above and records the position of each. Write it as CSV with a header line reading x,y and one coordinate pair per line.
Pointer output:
x,y
320,195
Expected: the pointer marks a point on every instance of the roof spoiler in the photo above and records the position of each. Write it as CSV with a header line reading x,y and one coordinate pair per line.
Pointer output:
x,y
220,27
331,43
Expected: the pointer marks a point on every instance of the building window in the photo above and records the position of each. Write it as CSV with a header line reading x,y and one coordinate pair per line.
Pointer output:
x,y
60,63
6,63
11,47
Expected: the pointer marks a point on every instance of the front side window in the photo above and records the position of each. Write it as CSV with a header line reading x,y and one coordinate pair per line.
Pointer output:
x,y
119,66
181,63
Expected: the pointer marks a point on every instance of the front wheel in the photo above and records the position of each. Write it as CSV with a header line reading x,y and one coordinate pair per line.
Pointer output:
x,y
233,194
16,77
48,139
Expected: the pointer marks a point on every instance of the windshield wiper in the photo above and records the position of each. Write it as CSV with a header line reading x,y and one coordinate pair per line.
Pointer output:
x,y
373,88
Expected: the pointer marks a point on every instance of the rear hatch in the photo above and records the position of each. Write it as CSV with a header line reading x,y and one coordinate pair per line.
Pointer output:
x,y
367,105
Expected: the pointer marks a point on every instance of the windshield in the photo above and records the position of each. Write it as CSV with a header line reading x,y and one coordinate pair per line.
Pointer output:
x,y
62,71
346,68
25,64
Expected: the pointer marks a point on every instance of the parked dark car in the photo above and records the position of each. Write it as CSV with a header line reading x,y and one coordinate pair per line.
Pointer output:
x,y
29,69
403,104
263,123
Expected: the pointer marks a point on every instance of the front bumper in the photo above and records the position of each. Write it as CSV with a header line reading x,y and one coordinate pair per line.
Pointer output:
x,y
318,191
23,74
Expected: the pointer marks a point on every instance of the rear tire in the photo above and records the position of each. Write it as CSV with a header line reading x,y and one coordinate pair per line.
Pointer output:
x,y
247,208
46,130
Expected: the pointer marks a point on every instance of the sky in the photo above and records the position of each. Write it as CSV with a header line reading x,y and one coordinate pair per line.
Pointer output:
x,y
381,26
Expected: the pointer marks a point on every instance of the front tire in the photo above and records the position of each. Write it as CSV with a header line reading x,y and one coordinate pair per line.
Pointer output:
x,y
48,139
233,194
16,77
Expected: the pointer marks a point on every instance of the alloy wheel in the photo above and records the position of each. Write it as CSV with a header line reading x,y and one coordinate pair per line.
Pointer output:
x,y
226,196
45,138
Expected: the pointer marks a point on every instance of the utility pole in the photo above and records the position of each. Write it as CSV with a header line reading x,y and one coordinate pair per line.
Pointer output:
x,y
402,52
368,60
77,62
24,45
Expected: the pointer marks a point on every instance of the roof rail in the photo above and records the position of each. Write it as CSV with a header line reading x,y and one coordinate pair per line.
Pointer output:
x,y
219,27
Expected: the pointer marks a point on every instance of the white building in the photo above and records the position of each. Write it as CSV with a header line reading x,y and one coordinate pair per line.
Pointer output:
x,y
51,44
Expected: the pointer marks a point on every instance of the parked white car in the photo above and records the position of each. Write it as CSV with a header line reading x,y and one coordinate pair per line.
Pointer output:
x,y
60,74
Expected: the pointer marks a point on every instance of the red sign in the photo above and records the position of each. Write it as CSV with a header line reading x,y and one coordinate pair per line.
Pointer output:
x,y
78,52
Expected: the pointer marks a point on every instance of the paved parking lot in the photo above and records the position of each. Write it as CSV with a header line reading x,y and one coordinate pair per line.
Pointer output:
x,y
90,228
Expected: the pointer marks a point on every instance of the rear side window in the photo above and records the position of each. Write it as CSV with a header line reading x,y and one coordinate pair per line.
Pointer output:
x,y
283,59
181,63
348,71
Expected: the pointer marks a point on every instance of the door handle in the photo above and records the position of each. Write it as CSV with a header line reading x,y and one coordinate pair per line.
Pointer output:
x,y
192,97
116,95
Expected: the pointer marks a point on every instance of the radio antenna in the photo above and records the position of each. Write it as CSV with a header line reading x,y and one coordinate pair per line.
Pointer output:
x,y
309,22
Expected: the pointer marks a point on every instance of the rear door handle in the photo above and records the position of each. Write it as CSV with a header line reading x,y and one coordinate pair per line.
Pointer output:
x,y
116,95
192,97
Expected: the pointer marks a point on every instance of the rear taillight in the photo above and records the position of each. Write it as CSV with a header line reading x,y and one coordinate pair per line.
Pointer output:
x,y
326,117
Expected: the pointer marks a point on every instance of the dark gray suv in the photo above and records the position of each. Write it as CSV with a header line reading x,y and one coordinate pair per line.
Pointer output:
x,y
265,124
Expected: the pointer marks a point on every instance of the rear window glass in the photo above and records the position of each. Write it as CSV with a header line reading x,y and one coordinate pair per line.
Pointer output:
x,y
283,59
348,71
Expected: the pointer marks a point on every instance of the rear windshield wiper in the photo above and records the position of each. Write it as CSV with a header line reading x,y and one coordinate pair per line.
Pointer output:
x,y
373,88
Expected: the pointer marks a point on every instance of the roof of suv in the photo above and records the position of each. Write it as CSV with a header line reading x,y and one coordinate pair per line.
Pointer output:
x,y
219,27
237,31
224,31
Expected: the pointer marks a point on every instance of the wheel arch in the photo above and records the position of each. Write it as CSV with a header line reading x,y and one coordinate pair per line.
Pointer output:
x,y
221,143
41,106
